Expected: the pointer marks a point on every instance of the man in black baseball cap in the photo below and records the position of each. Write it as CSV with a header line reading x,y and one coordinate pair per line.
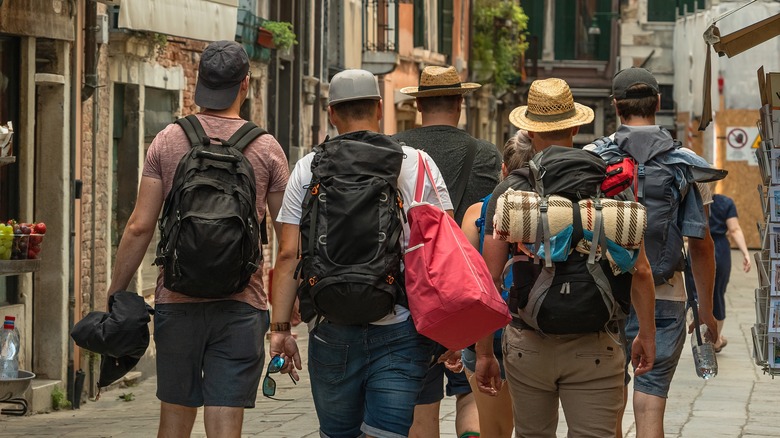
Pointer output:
x,y
223,66
623,84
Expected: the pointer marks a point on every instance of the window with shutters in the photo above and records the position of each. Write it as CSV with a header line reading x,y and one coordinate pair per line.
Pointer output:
x,y
582,28
666,10
446,19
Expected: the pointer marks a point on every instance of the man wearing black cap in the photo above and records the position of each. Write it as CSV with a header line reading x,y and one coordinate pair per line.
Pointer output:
x,y
209,351
637,99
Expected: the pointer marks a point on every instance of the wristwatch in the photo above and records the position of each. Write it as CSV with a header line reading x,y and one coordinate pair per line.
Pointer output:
x,y
280,326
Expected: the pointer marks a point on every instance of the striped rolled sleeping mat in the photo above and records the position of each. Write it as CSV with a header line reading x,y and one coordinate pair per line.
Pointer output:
x,y
517,218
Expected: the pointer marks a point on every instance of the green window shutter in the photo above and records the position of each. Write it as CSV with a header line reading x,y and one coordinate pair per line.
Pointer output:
x,y
661,10
565,27
419,23
534,9
604,22
446,20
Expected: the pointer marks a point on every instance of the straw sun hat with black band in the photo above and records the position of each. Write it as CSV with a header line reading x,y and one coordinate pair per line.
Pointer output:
x,y
551,107
440,81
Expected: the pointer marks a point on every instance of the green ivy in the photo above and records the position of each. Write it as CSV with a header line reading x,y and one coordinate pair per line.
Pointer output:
x,y
499,41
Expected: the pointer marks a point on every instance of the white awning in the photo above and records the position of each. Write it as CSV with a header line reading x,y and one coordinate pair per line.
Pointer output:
x,y
207,20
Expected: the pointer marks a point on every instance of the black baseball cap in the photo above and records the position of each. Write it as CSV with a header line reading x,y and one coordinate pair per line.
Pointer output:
x,y
223,66
629,77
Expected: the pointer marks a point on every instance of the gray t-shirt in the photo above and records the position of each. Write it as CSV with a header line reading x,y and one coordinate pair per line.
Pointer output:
x,y
448,146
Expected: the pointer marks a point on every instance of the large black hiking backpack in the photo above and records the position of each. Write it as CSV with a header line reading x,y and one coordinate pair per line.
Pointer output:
x,y
351,233
209,232
580,294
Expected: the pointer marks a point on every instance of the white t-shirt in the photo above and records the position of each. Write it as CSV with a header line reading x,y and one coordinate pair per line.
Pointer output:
x,y
292,206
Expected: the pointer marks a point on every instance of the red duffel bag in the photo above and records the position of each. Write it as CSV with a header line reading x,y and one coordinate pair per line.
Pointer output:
x,y
451,293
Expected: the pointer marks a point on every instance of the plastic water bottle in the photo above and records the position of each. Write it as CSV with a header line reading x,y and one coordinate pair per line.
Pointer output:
x,y
9,350
703,354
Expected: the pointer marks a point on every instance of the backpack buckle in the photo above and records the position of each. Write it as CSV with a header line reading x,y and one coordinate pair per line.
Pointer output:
x,y
640,170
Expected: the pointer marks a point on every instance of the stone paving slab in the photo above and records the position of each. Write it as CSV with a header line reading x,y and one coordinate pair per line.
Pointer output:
x,y
740,402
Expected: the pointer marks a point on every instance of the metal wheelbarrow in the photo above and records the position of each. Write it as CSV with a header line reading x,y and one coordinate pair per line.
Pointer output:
x,y
12,392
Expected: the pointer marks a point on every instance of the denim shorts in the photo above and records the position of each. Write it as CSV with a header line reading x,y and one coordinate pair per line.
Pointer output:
x,y
670,333
209,353
433,389
469,357
365,379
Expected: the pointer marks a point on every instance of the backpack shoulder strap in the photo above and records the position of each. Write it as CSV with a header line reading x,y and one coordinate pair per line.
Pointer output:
x,y
460,185
194,130
481,221
246,134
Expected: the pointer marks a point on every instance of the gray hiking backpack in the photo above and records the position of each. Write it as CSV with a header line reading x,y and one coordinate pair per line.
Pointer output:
x,y
672,171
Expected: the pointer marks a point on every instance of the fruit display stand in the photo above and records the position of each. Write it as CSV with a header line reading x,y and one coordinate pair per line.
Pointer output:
x,y
16,267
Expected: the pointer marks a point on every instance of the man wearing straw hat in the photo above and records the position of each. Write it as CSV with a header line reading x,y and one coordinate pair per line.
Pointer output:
x,y
584,372
470,168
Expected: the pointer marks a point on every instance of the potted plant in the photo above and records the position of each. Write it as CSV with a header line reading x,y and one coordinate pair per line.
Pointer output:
x,y
265,38
282,33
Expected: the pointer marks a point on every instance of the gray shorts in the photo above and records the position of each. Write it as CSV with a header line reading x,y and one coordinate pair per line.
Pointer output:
x,y
670,333
209,353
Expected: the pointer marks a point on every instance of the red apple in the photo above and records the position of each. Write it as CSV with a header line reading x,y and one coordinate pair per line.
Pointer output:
x,y
39,228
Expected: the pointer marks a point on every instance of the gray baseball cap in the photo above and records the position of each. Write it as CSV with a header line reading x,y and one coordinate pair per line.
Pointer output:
x,y
223,66
353,85
629,77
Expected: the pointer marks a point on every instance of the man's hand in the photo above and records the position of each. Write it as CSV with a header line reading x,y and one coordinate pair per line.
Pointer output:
x,y
283,344
643,353
488,375
712,326
746,262
451,360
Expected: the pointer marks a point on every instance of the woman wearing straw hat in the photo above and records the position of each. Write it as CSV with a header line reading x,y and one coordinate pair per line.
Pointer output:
x,y
470,168
584,372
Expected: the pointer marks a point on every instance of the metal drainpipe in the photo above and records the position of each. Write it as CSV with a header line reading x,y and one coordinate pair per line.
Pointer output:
x,y
315,126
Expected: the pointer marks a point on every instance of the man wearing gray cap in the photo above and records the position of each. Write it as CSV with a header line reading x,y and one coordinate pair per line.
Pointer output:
x,y
366,360
209,350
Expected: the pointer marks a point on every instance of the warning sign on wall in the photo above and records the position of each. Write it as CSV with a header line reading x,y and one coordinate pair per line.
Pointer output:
x,y
740,144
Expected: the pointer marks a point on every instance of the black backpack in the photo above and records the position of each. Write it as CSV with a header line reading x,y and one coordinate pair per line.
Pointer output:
x,y
209,232
580,294
351,229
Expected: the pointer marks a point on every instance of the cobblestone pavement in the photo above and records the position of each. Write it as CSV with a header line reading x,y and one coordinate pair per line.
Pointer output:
x,y
739,402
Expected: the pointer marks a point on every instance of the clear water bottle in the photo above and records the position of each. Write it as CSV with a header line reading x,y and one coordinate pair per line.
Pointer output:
x,y
703,354
9,350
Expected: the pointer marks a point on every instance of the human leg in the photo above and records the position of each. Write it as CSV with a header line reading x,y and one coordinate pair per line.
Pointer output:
x,y
176,421
426,411
531,375
399,359
652,388
495,413
591,382
337,368
466,415
426,420
223,421
722,275
180,343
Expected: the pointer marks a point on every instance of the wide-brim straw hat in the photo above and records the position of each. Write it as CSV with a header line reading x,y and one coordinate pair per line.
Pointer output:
x,y
551,107
440,81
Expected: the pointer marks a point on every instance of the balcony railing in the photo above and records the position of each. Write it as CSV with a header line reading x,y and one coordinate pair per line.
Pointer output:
x,y
380,36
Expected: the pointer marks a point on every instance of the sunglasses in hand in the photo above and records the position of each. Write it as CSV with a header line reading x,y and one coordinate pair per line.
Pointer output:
x,y
269,384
